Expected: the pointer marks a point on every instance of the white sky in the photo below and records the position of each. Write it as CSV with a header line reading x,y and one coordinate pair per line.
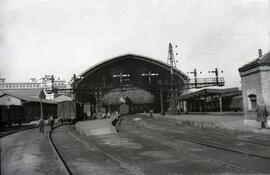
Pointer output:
x,y
63,37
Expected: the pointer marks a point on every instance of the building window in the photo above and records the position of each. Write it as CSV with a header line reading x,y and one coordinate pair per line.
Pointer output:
x,y
253,102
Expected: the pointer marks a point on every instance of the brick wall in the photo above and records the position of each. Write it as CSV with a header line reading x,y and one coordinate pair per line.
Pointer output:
x,y
255,81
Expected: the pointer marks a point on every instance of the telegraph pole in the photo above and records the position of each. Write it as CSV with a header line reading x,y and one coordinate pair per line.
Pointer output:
x,y
171,62
52,80
195,77
216,72
41,96
74,82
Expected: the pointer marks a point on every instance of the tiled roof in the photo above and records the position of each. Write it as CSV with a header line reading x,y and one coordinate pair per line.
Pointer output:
x,y
24,92
263,60
30,99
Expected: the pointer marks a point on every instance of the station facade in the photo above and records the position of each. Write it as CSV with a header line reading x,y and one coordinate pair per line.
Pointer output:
x,y
255,79
144,83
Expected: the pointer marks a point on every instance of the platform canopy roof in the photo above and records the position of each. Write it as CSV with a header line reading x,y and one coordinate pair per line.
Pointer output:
x,y
223,91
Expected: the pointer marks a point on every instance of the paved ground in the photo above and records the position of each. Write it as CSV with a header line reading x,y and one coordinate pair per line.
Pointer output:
x,y
227,122
157,147
28,152
143,146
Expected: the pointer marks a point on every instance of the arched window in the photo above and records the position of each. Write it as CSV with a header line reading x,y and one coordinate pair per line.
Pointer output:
x,y
253,101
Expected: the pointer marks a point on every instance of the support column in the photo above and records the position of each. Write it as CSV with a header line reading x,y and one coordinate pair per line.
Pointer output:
x,y
161,99
200,105
220,103
212,104
205,104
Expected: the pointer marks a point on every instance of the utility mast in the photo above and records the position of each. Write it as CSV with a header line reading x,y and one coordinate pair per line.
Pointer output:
x,y
171,62
171,59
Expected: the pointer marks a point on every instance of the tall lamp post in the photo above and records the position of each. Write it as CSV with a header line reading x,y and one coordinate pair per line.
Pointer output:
x,y
42,95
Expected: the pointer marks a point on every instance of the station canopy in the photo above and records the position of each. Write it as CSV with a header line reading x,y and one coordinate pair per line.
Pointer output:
x,y
223,91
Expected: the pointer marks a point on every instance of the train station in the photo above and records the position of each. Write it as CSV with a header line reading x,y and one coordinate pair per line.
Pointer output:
x,y
143,88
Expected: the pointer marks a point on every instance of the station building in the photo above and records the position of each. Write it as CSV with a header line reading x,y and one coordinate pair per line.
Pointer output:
x,y
143,82
19,109
48,82
255,79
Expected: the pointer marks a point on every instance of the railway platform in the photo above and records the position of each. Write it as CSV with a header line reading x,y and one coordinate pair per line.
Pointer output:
x,y
214,121
28,152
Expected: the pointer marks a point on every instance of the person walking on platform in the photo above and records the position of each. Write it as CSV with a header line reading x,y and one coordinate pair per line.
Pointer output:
x,y
41,125
51,122
124,110
262,114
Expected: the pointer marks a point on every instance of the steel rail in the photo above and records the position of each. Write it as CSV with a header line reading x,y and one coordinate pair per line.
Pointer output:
x,y
230,165
212,145
55,149
214,133
6,133
122,164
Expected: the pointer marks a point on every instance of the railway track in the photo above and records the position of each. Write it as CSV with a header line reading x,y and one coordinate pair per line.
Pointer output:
x,y
222,134
212,141
152,134
92,147
263,140
55,149
171,135
6,133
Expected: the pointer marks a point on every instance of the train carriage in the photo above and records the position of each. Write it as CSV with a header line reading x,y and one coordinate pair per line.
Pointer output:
x,y
11,114
69,111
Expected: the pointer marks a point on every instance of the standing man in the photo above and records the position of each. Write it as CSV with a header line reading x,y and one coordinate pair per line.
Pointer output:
x,y
51,122
41,125
124,110
262,114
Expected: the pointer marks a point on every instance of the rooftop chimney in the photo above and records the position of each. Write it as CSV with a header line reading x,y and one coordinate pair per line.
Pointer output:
x,y
260,52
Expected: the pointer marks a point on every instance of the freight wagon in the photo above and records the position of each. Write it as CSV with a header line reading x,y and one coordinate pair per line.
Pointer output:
x,y
11,114
69,111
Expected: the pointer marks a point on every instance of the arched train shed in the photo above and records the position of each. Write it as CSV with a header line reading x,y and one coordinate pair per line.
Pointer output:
x,y
145,81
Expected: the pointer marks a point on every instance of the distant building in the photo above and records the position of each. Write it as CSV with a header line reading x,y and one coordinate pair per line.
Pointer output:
x,y
11,86
255,79
25,109
48,82
2,80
